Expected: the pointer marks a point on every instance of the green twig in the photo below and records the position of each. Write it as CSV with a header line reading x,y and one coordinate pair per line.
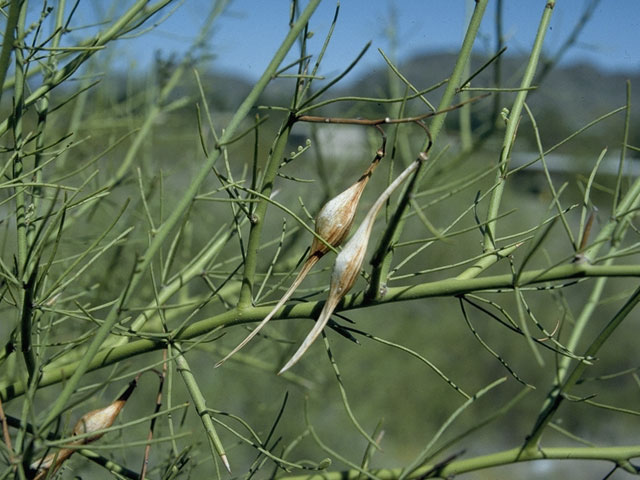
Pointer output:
x,y
618,455
442,288
180,207
383,253
7,40
512,125
200,405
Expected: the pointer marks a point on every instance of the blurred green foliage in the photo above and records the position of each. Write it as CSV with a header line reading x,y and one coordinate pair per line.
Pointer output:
x,y
383,384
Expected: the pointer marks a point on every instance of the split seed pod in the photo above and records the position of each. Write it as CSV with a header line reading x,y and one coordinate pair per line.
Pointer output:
x,y
97,420
90,422
333,223
51,462
349,262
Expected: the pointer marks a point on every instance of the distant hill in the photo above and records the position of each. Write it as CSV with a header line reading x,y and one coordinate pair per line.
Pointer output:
x,y
569,96
582,86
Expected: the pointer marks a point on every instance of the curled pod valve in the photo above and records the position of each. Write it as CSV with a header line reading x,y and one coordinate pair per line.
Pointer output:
x,y
332,224
349,261
94,421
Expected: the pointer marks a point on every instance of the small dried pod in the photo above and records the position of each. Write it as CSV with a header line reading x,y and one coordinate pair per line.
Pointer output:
x,y
49,464
90,422
94,421
332,224
349,262
335,218
97,420
102,417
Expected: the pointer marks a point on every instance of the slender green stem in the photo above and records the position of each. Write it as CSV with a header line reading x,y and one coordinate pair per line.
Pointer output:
x,y
618,455
200,404
512,125
442,288
554,193
550,63
466,139
383,255
26,317
43,110
487,261
180,207
381,100
26,324
7,40
18,168
345,398
497,66
257,222
623,150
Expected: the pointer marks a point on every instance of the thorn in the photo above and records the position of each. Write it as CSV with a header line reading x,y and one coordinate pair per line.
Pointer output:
x,y
226,462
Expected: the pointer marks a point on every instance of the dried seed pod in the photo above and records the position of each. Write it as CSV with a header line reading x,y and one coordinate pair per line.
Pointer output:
x,y
90,422
333,223
96,420
93,421
40,469
349,262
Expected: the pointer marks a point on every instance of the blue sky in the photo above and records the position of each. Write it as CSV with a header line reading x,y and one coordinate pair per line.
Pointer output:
x,y
248,33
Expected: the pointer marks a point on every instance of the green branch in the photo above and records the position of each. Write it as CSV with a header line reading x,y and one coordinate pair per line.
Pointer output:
x,y
176,215
7,42
512,126
442,288
618,455
257,222
557,394
381,260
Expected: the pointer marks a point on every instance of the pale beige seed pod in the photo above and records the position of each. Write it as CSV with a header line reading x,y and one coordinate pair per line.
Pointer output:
x,y
349,262
94,421
51,462
333,223
90,422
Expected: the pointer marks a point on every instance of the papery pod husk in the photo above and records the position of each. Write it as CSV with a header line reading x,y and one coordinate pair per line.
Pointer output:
x,y
98,419
348,264
333,222
92,421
